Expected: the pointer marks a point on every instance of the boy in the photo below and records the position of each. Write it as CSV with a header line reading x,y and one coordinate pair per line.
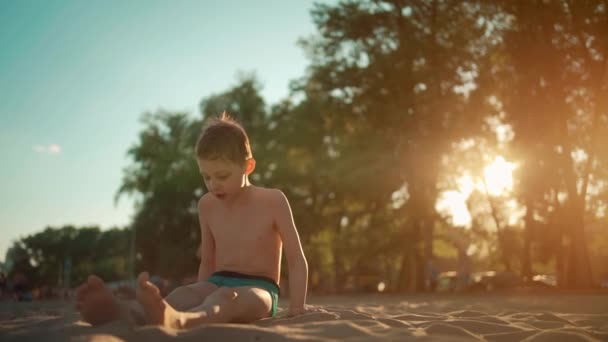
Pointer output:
x,y
243,229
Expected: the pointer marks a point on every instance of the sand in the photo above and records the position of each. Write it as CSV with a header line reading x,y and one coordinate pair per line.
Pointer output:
x,y
529,317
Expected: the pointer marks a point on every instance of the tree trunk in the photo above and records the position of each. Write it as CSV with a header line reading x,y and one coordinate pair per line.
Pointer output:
x,y
578,267
405,270
526,267
500,230
428,253
338,284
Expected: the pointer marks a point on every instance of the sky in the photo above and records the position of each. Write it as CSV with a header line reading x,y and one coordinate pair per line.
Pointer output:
x,y
75,77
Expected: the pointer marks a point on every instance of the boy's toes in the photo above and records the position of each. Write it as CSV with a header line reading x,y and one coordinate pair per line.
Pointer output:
x,y
94,281
92,284
144,284
142,279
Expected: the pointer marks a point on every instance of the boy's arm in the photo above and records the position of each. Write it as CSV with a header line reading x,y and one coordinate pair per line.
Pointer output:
x,y
207,266
296,261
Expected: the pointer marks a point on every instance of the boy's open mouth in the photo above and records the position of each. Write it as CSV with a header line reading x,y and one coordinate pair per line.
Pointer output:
x,y
220,196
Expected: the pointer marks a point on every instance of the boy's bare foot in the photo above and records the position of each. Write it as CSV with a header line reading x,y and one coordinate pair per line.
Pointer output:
x,y
158,312
96,303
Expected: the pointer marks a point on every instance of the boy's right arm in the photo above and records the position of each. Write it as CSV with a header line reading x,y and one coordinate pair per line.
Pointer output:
x,y
207,266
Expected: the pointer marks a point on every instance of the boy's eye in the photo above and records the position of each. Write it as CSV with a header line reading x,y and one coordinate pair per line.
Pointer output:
x,y
222,177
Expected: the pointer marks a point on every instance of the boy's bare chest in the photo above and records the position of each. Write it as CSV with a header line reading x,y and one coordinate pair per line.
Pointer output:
x,y
250,224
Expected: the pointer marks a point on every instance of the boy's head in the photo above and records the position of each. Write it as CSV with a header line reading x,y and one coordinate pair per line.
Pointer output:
x,y
223,138
224,156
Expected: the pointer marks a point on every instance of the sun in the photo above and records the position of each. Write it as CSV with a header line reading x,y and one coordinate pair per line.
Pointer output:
x,y
497,180
498,176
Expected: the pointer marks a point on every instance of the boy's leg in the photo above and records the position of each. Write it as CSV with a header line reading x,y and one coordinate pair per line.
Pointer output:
x,y
98,305
239,304
189,296
230,305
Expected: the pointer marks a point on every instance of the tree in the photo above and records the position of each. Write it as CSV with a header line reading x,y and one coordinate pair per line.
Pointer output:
x,y
166,181
396,68
68,255
554,76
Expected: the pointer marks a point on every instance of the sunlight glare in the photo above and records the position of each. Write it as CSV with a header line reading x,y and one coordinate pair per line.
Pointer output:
x,y
465,185
499,176
453,203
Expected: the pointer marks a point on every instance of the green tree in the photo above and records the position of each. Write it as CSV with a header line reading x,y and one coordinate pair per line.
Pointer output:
x,y
45,257
552,88
396,72
165,181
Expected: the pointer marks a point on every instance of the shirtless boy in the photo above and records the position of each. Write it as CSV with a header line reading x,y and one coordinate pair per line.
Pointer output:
x,y
244,228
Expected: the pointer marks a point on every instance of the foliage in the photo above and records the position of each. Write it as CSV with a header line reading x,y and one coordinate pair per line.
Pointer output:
x,y
69,254
400,101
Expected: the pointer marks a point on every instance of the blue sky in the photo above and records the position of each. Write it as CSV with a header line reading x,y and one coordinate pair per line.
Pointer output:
x,y
75,76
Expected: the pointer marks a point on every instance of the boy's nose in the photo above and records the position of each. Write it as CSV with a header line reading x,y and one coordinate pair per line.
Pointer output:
x,y
213,186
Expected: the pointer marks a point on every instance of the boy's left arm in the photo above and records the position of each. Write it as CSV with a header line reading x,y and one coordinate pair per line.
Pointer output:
x,y
296,261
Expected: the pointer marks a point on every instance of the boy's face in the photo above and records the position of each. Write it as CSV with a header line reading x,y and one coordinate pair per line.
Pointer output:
x,y
224,177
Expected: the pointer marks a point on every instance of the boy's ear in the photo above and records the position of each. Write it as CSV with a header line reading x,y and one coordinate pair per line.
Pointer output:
x,y
249,166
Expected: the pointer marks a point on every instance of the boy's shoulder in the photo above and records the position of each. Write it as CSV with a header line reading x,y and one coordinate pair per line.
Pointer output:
x,y
205,199
268,193
260,193
266,190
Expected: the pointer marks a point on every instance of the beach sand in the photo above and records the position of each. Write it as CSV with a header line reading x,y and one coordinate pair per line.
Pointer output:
x,y
499,317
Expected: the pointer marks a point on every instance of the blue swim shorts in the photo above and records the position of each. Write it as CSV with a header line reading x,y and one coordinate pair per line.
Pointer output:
x,y
235,279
